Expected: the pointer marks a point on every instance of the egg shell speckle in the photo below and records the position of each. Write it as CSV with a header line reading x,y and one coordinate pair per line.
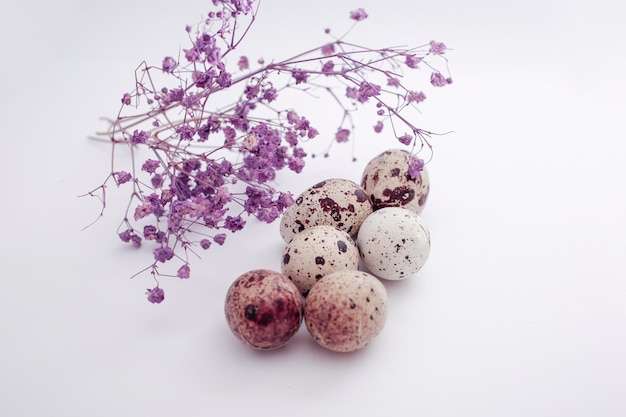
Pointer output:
x,y
264,309
336,202
394,243
318,251
388,184
346,310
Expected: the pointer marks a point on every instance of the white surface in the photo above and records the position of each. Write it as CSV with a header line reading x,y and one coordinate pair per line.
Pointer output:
x,y
520,310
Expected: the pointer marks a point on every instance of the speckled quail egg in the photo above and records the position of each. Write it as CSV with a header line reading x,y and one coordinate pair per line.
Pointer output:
x,y
346,310
336,202
264,309
394,243
318,251
387,182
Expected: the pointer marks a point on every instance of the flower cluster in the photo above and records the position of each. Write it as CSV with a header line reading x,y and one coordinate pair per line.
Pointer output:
x,y
203,162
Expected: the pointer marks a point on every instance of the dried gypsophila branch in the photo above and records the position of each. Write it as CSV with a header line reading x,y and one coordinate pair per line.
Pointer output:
x,y
207,166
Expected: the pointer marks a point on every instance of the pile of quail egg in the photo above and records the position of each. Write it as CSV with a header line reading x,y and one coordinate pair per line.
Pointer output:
x,y
343,240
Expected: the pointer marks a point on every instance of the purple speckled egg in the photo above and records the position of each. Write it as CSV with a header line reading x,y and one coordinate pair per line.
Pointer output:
x,y
336,202
264,309
388,184
346,310
318,251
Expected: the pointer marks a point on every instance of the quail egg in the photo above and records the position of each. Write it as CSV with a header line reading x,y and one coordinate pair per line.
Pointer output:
x,y
264,309
394,243
387,182
336,202
318,251
346,310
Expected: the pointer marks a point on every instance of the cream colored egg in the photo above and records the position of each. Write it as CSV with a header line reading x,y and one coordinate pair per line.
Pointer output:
x,y
318,251
336,202
387,182
394,243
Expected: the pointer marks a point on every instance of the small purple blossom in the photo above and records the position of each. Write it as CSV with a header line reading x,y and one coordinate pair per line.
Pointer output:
x,y
406,139
150,232
155,295
415,97
416,166
296,165
243,63
438,80
163,254
378,127
129,235
342,135
328,49
437,48
183,272
143,210
139,137
150,165
126,99
358,14
122,177
300,76
412,61
328,67
220,238
270,95
169,64
234,224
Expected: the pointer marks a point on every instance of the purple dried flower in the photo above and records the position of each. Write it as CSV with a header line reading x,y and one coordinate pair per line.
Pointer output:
x,y
139,137
219,238
143,210
406,139
122,177
300,76
416,166
328,49
342,135
438,80
296,164
169,64
150,165
183,272
155,295
205,244
328,67
412,61
150,232
163,253
378,127
358,14
234,224
126,99
415,97
437,48
243,63
270,94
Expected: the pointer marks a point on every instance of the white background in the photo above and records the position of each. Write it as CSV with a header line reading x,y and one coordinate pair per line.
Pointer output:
x,y
520,310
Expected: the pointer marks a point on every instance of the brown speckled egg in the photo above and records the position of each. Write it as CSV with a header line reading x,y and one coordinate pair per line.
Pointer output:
x,y
388,184
346,310
334,202
264,309
394,243
318,251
